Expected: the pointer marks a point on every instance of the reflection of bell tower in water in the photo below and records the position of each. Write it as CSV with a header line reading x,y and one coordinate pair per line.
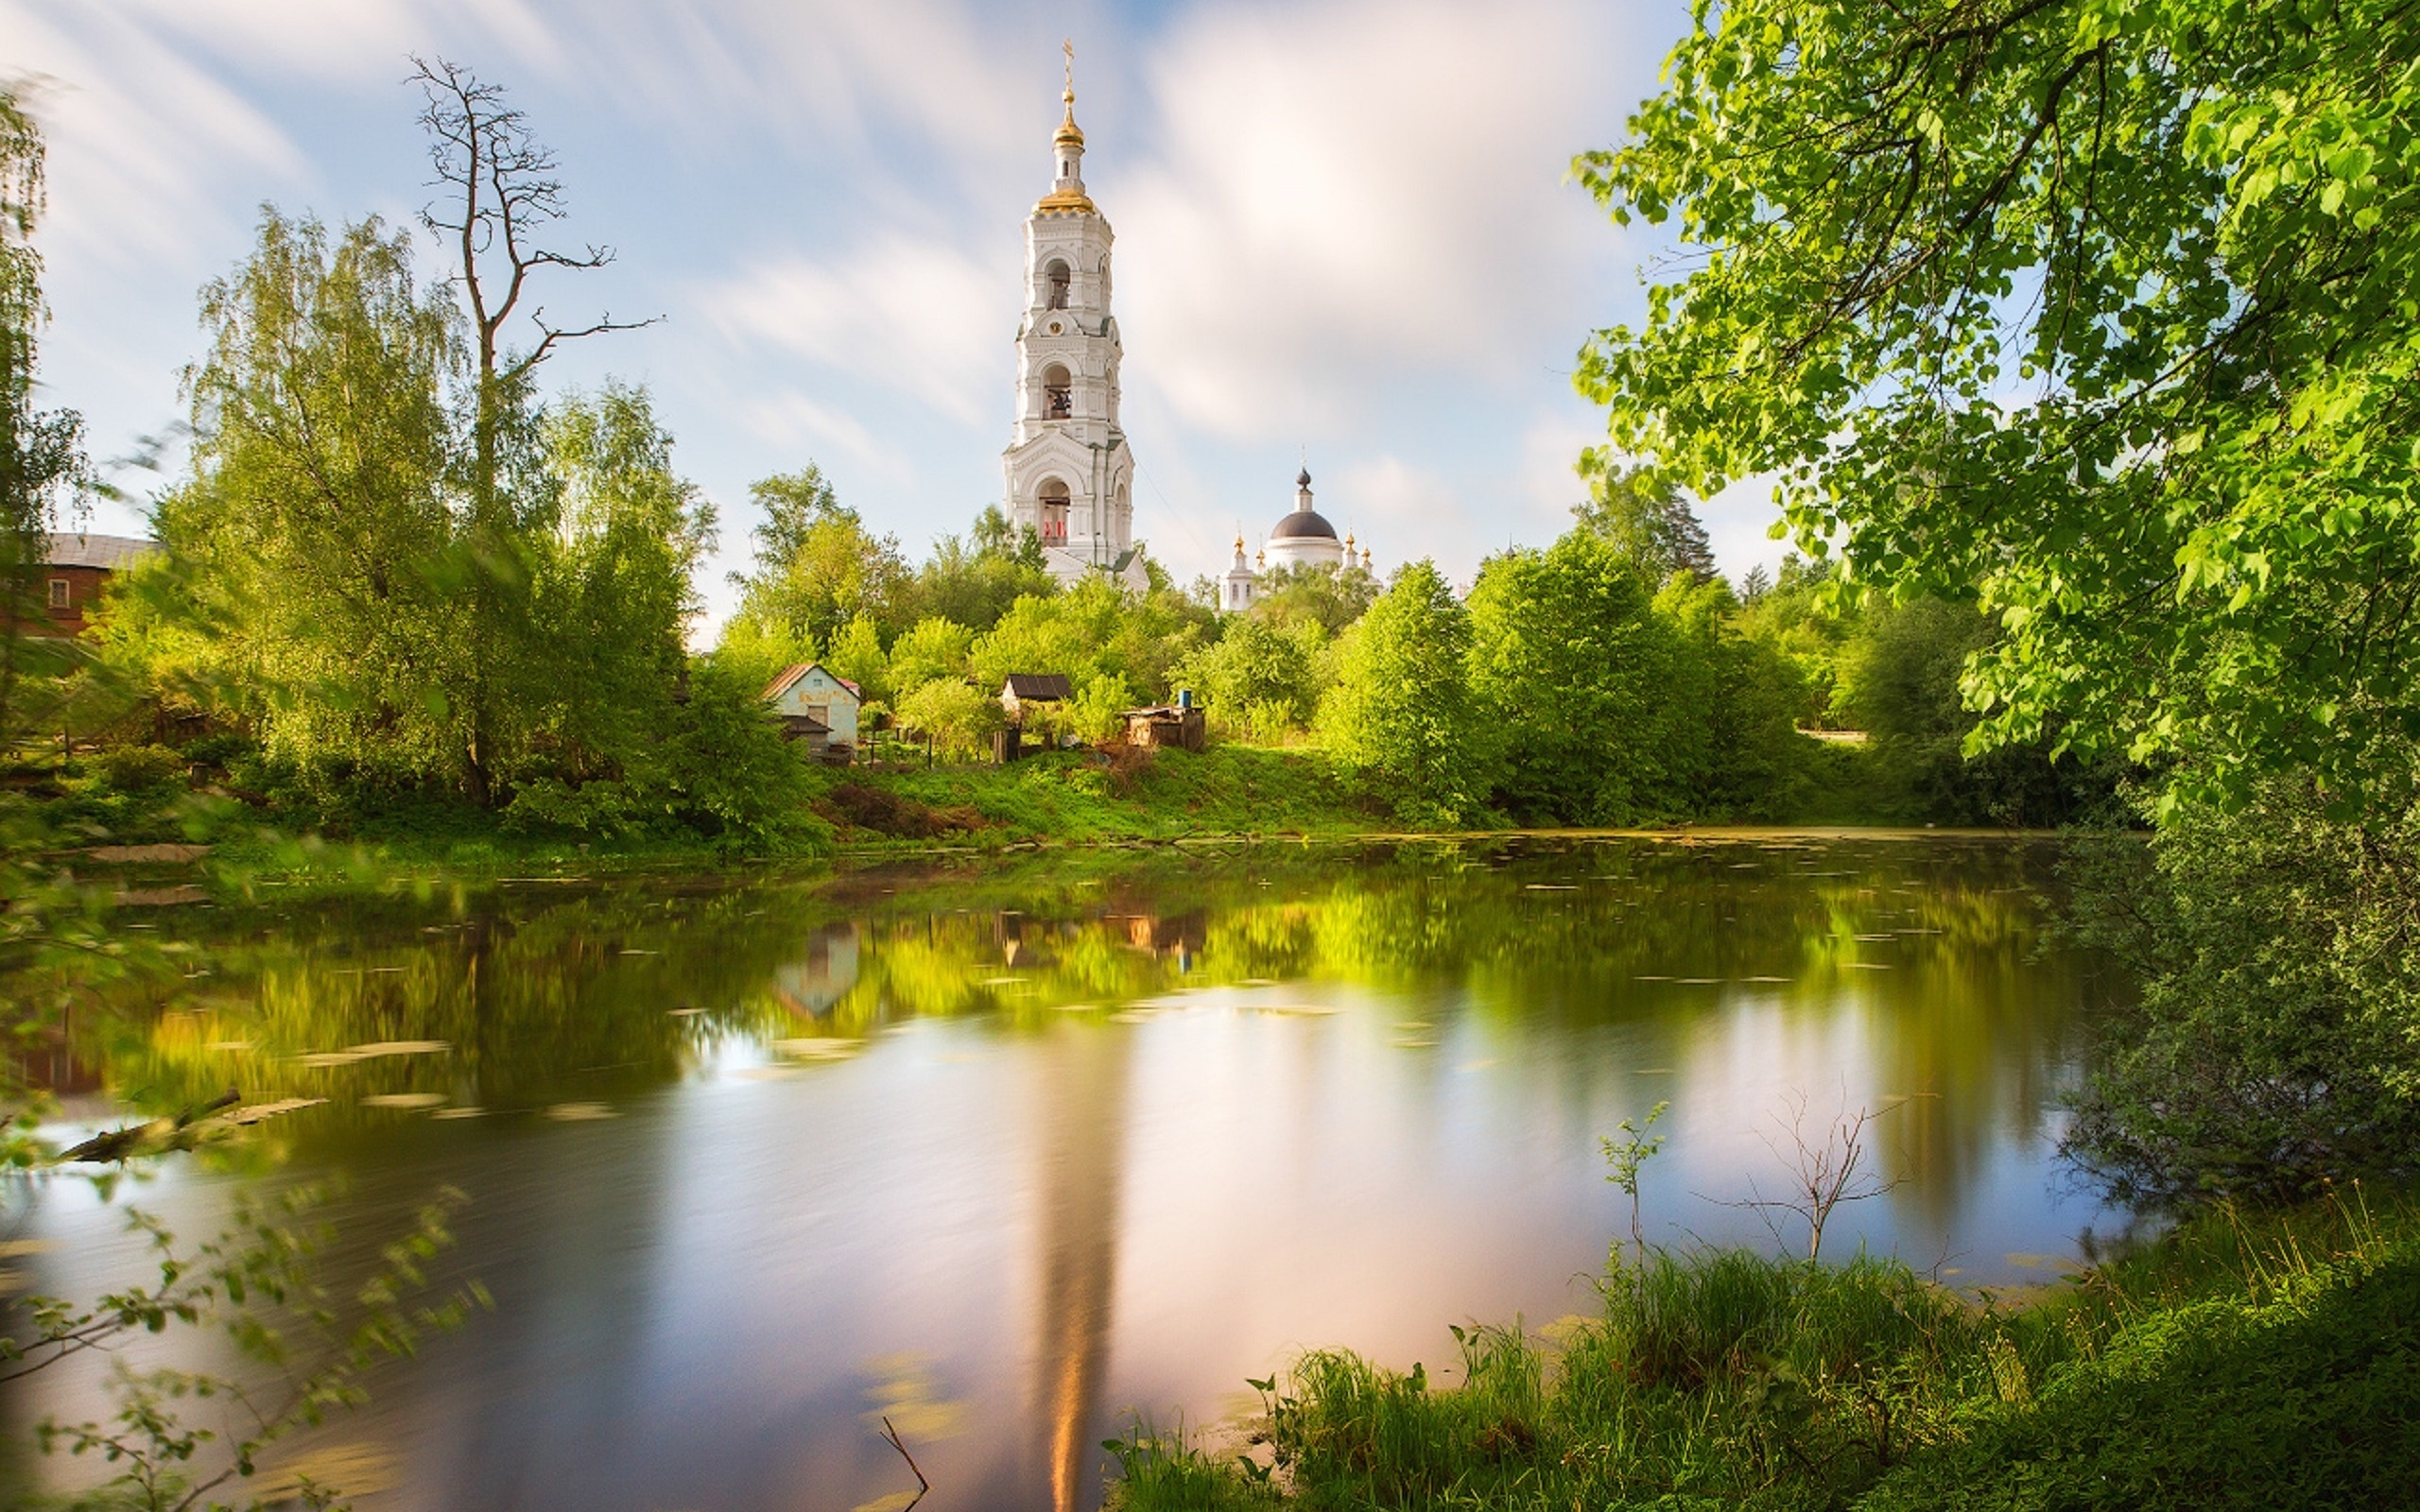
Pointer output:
x,y
1070,477
1083,1149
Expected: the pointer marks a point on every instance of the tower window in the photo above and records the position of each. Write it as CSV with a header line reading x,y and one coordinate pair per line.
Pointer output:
x,y
1060,280
1054,512
1058,393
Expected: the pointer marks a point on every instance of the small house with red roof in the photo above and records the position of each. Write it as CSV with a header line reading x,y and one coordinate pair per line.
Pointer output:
x,y
817,706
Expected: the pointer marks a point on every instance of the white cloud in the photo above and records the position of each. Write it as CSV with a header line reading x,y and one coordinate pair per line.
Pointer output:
x,y
142,143
1350,192
792,420
913,314
1737,523
1403,511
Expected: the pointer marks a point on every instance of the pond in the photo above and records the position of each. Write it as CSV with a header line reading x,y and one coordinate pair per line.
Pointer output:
x,y
1011,1150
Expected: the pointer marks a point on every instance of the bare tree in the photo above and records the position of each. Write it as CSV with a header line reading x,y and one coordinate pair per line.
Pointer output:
x,y
1823,1176
497,193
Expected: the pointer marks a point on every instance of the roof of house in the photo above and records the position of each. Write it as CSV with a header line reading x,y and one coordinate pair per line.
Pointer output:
x,y
109,553
780,684
1039,687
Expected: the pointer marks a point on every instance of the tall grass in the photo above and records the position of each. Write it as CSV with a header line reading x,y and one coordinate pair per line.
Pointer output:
x,y
2250,1361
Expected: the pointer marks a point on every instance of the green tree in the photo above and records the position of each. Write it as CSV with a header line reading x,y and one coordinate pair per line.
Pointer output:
x,y
1898,680
612,595
1403,711
957,717
1645,518
2100,307
817,567
975,586
2273,1044
933,649
314,538
856,654
1305,594
1574,669
41,451
1257,680
1733,750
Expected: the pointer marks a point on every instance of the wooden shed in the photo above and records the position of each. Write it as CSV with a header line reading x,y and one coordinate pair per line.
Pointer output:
x,y
1168,724
1023,688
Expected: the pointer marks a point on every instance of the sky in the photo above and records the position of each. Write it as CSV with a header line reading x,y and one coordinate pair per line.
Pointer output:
x,y
1347,234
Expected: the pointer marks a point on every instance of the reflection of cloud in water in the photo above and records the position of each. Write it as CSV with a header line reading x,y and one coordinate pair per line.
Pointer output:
x,y
902,1391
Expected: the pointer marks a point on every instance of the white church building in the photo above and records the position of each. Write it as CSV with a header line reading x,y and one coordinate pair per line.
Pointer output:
x,y
1070,475
1302,539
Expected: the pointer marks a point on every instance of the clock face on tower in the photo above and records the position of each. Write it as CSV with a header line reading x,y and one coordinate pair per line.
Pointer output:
x,y
1069,472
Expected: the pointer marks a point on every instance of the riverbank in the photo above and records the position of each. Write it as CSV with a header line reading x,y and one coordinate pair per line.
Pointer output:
x,y
2244,1360
104,808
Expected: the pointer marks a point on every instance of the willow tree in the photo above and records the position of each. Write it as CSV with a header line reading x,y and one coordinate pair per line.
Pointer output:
x,y
311,546
2102,310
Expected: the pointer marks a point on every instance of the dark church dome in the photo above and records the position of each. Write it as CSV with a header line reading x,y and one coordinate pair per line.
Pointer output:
x,y
1304,525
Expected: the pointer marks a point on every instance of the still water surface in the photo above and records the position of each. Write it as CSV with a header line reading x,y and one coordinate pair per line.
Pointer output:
x,y
1012,1151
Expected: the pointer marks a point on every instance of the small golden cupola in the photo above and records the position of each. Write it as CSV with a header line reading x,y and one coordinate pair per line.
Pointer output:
x,y
1066,196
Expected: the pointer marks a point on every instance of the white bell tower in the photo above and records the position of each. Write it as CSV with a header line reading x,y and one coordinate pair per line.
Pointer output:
x,y
1070,477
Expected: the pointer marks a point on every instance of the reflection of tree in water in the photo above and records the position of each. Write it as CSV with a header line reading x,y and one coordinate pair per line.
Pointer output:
x,y
1081,1148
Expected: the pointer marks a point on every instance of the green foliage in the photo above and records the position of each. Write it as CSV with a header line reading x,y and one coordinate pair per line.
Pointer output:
x,y
1575,669
41,451
2275,1042
2220,1367
728,774
1898,678
1643,519
1094,631
976,586
1169,794
1403,709
1618,707
817,567
140,768
182,1440
610,593
931,649
2103,310
1305,593
1259,682
313,550
957,717
856,654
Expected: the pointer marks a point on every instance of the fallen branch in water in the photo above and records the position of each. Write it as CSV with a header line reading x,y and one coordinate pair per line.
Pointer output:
x,y
922,1484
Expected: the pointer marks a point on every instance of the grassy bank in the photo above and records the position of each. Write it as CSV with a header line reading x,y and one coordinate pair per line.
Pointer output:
x,y
2269,1361
361,835
1162,795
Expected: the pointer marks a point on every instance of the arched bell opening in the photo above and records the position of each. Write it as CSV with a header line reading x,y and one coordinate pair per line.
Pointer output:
x,y
1055,501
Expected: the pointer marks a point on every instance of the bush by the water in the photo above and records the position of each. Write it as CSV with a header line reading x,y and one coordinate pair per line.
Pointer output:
x,y
2241,1362
2274,1044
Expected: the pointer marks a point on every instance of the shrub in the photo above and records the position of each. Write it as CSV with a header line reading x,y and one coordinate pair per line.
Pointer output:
x,y
139,769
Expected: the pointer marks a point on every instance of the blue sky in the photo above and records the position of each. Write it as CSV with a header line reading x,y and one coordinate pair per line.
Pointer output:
x,y
1345,231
